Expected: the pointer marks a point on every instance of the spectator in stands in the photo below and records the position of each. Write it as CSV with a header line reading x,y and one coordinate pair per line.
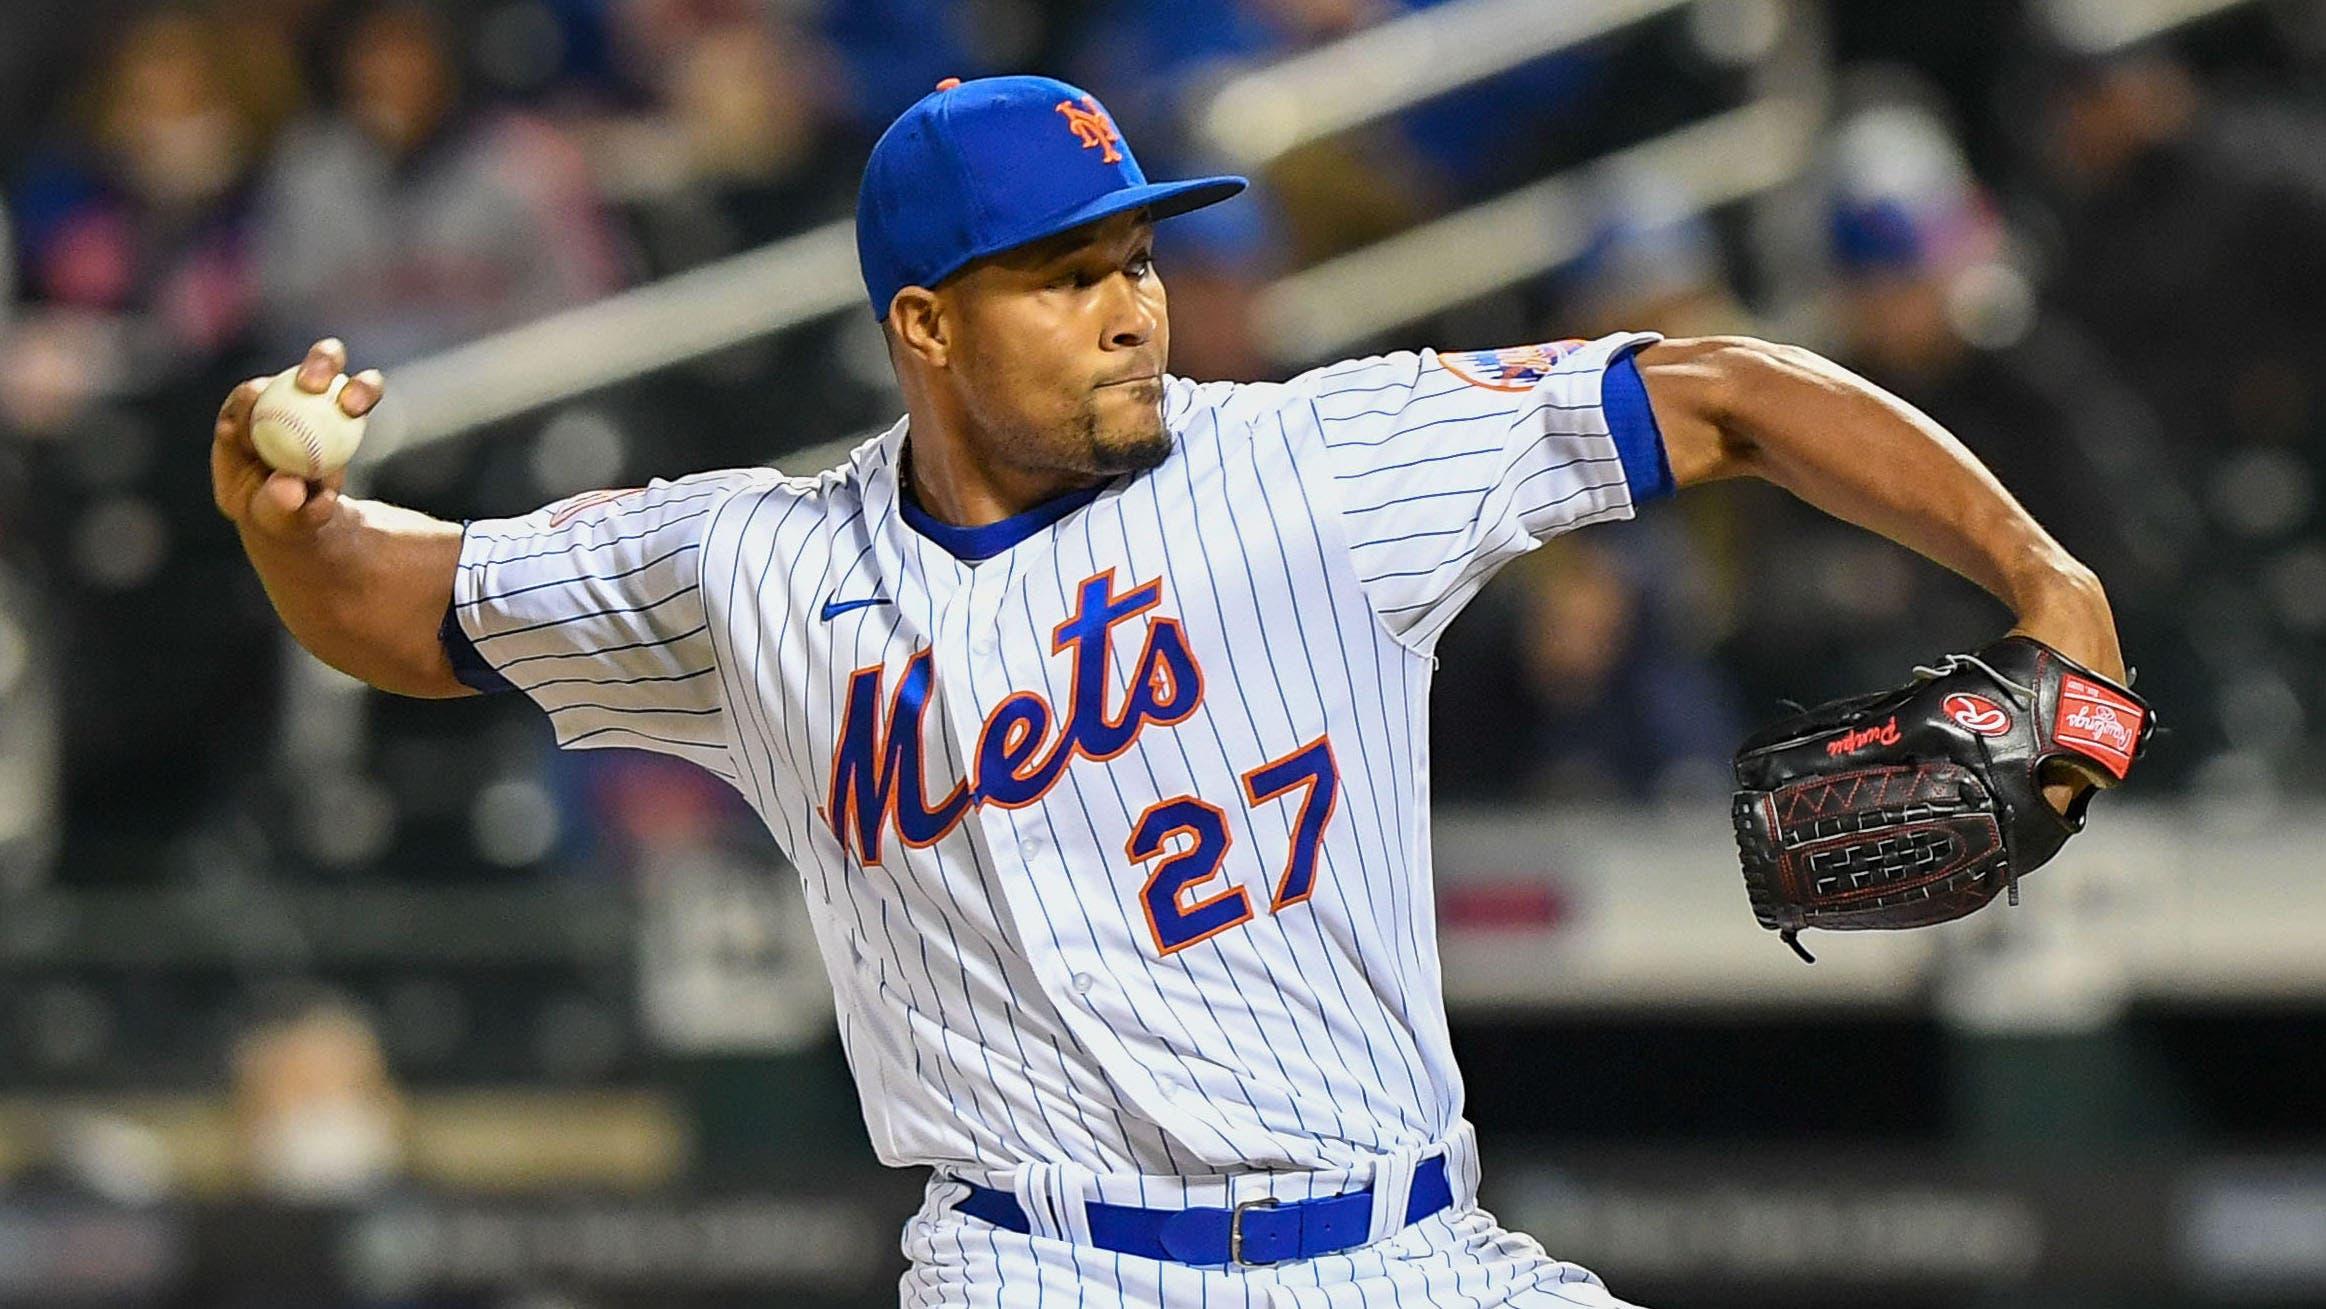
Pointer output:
x,y
747,144
134,228
750,139
135,232
2191,243
1588,683
45,46
896,50
1158,59
2186,218
410,218
318,1118
1654,261
1931,306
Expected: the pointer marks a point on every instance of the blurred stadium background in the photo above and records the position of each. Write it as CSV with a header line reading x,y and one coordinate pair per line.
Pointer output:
x,y
309,997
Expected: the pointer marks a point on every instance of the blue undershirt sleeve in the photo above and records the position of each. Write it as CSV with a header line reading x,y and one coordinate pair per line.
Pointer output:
x,y
1632,423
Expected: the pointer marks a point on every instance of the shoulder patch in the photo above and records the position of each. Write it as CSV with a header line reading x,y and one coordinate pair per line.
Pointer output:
x,y
564,510
1516,368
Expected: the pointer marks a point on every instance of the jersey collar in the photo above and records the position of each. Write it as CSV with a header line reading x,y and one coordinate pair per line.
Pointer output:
x,y
972,544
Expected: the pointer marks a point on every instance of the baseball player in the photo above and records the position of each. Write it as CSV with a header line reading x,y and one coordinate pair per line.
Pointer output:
x,y
1090,703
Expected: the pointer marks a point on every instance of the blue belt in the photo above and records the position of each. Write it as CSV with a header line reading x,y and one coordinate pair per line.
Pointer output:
x,y
1254,1232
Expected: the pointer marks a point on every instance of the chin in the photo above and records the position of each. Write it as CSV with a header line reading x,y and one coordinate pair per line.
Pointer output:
x,y
1135,455
1132,446
1133,451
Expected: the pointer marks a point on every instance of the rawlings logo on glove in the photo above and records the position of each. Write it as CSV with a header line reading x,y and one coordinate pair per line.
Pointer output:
x,y
1978,713
2099,722
1918,805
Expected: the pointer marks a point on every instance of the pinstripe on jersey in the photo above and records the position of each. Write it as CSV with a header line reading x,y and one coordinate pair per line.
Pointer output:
x,y
1032,952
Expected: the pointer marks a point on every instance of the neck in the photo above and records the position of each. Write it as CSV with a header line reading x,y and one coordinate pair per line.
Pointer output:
x,y
954,486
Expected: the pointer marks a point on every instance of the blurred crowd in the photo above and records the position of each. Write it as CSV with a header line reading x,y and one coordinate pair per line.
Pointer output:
x,y
2104,272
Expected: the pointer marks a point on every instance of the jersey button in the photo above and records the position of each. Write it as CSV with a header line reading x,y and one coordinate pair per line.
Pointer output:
x,y
981,644
1083,982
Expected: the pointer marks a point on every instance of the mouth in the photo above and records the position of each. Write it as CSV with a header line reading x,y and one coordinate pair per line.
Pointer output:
x,y
1133,381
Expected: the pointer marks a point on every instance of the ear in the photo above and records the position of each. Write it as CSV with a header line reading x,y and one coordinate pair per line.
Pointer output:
x,y
923,327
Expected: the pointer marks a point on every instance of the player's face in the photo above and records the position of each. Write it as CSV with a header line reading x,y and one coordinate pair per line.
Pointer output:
x,y
1060,350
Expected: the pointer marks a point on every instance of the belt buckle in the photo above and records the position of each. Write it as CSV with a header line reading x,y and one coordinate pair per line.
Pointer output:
x,y
1236,1230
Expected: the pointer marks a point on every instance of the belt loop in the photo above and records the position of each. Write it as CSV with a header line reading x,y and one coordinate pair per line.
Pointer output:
x,y
1076,1186
1462,1165
1055,1197
1392,1191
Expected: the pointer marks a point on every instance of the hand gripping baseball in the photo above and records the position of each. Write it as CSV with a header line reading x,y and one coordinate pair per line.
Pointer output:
x,y
260,499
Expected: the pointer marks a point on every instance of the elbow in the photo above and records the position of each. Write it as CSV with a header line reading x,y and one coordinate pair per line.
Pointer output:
x,y
436,682
424,670
414,680
407,662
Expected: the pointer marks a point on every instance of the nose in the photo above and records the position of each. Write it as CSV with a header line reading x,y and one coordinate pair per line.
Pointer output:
x,y
1130,319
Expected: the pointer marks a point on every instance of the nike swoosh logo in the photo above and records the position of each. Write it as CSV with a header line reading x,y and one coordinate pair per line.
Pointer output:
x,y
833,608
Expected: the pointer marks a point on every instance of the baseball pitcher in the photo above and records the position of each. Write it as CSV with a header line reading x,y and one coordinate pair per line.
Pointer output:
x,y
1091,705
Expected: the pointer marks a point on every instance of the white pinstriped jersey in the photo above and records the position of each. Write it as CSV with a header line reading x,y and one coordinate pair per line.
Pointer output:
x,y
1116,840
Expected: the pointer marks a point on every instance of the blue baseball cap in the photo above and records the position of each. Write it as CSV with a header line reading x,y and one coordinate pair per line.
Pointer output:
x,y
978,167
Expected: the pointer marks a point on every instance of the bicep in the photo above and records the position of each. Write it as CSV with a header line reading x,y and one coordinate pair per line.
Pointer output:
x,y
595,609
1447,465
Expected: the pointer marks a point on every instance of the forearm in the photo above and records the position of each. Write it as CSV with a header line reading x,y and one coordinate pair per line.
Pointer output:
x,y
1863,455
366,593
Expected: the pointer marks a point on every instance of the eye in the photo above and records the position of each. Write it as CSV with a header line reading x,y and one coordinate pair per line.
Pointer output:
x,y
1142,264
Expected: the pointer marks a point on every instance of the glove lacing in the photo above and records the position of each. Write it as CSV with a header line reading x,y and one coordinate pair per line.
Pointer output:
x,y
2027,696
1957,662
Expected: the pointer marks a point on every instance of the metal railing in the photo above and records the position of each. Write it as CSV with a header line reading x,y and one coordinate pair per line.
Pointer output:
x,y
1506,240
1258,117
1251,120
2105,26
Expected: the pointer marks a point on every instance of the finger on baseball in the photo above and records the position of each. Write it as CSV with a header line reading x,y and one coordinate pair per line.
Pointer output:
x,y
234,478
234,415
362,392
280,498
235,470
322,498
325,360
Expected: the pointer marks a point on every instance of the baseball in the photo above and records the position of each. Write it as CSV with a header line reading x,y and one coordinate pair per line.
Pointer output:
x,y
300,432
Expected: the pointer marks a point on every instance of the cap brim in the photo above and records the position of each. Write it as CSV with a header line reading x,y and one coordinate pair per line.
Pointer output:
x,y
1161,200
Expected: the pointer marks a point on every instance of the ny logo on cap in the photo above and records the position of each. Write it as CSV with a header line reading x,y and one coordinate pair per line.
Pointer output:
x,y
1092,127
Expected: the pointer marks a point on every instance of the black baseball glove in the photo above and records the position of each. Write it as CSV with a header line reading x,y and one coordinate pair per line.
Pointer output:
x,y
1915,806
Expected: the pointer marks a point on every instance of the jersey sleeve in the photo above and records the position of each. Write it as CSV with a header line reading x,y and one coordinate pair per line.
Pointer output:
x,y
595,608
1450,465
